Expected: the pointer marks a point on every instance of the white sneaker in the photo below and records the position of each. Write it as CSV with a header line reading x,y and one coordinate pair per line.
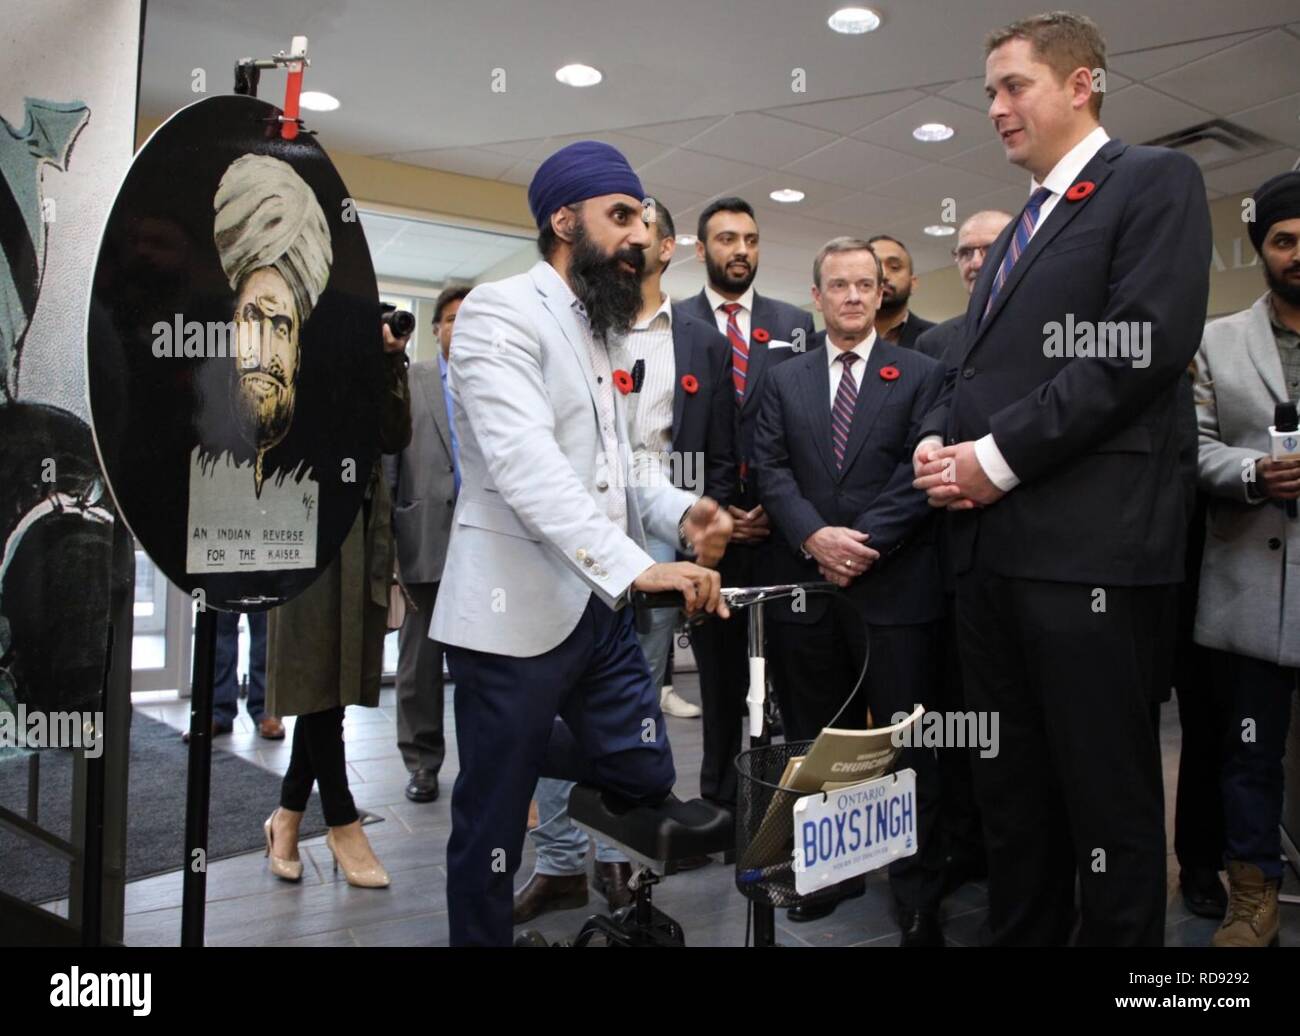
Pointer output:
x,y
673,705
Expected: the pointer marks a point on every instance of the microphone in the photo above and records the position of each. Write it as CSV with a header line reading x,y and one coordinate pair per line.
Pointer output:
x,y
1284,436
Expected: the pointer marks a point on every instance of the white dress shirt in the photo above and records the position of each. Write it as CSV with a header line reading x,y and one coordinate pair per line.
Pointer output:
x,y
1058,181
744,315
650,411
836,368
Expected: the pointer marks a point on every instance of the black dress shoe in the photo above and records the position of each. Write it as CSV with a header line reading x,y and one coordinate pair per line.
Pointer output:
x,y
820,908
423,786
546,892
217,730
1203,892
610,881
920,928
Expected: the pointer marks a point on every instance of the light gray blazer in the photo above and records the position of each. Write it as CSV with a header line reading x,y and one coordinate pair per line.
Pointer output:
x,y
423,481
1249,600
531,541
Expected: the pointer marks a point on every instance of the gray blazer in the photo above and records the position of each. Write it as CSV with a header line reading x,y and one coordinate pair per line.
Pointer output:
x,y
531,541
422,481
1249,599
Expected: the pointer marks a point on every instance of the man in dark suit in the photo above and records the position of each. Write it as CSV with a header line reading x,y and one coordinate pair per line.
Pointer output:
x,y
895,322
424,482
959,818
1068,515
833,454
763,333
974,239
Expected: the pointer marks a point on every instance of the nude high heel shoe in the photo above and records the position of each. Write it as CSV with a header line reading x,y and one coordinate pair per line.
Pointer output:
x,y
289,870
362,871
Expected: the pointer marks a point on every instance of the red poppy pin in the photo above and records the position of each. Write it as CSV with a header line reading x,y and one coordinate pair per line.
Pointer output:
x,y
759,335
1080,190
889,373
623,381
690,384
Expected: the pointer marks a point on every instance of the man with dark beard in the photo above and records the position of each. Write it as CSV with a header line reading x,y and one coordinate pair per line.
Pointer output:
x,y
762,332
894,320
550,534
1246,612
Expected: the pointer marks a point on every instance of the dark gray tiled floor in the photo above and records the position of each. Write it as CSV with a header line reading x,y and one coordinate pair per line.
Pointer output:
x,y
246,906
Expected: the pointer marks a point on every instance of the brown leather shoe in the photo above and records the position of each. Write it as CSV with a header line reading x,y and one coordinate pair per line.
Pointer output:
x,y
610,881
547,892
271,728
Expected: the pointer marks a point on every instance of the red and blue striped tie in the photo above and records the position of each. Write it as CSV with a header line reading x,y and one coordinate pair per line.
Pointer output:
x,y
739,349
846,398
1024,230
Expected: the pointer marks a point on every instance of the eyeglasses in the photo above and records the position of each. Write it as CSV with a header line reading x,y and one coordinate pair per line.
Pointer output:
x,y
967,252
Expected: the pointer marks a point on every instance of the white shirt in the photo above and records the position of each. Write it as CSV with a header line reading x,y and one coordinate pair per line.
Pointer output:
x,y
650,411
744,315
833,354
1058,181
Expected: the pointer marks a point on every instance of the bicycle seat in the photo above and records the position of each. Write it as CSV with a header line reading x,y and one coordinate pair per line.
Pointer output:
x,y
655,836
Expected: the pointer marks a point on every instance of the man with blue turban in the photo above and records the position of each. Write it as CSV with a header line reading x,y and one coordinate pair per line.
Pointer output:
x,y
548,539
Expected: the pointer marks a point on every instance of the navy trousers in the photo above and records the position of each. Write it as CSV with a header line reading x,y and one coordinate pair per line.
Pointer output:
x,y
584,711
225,690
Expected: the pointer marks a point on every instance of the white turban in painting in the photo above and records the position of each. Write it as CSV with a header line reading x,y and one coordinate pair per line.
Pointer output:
x,y
267,216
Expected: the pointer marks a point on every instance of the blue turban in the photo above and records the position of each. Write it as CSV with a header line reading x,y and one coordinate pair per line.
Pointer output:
x,y
582,170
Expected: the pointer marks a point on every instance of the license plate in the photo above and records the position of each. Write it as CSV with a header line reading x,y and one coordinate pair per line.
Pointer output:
x,y
859,828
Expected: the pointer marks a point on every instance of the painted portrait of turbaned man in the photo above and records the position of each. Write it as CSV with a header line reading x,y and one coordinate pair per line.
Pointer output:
x,y
235,366
274,247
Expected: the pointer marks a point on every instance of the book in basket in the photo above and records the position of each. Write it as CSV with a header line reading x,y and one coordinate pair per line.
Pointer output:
x,y
835,760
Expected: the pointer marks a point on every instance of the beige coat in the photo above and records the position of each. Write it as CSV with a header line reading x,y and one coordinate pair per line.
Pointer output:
x,y
325,648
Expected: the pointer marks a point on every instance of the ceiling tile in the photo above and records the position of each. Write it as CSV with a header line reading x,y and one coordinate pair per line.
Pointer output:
x,y
855,164
847,113
1242,76
680,203
816,192
466,161
866,213
515,148
1138,114
1244,177
1279,120
707,174
1143,64
895,131
638,152
936,183
989,160
761,138
675,133
521,172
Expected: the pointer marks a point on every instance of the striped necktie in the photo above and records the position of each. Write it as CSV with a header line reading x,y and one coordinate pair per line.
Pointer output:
x,y
739,349
846,397
1019,240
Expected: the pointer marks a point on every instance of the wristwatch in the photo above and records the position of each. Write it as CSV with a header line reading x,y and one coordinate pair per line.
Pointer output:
x,y
685,544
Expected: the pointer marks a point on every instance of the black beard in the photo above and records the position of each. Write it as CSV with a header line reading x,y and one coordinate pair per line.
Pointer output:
x,y
891,304
611,295
1288,293
724,282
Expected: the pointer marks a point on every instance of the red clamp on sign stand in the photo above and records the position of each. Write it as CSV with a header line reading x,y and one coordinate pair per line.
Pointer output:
x,y
293,87
248,72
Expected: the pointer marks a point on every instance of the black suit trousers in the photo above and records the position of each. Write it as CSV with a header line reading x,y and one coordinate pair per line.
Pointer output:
x,y
1074,789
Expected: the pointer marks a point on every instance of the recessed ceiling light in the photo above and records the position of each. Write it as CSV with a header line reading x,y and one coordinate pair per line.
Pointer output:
x,y
787,194
686,239
854,21
578,75
315,101
939,230
931,132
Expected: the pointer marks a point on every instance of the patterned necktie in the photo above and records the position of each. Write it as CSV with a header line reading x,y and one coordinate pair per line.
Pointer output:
x,y
1024,229
739,349
846,397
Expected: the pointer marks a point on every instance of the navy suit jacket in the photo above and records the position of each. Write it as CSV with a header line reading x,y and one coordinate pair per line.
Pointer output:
x,y
704,420
912,330
802,490
1094,441
781,321
938,340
